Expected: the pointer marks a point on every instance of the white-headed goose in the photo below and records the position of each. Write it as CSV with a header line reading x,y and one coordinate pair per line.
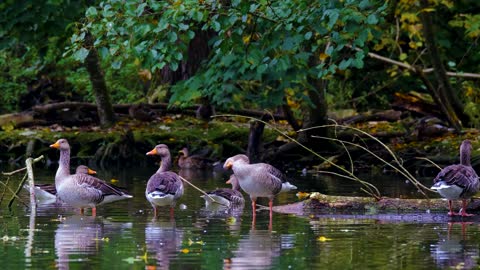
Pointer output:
x,y
164,187
82,190
459,181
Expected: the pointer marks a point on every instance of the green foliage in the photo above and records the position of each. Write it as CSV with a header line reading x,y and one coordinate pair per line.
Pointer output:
x,y
14,75
259,49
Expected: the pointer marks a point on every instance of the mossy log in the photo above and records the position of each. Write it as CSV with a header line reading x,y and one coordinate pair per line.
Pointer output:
x,y
318,203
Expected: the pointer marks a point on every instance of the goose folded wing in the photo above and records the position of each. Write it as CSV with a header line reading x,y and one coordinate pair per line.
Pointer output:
x,y
47,188
96,185
165,182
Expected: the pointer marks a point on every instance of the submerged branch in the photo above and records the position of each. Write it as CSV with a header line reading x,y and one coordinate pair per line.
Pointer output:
x,y
19,188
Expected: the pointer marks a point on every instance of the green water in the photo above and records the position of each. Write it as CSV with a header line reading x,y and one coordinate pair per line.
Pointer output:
x,y
124,235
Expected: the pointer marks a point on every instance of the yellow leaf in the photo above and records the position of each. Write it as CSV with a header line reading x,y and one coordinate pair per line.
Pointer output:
x,y
231,220
302,195
8,127
323,56
113,181
323,239
185,250
246,39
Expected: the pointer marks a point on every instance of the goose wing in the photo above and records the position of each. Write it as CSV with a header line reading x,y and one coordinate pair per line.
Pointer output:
x,y
229,194
47,188
97,188
460,175
273,177
165,182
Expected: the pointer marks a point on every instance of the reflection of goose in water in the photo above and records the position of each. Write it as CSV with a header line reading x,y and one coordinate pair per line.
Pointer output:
x,y
257,250
77,236
163,241
455,251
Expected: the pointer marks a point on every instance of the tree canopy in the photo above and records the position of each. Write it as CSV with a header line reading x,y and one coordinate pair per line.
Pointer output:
x,y
260,54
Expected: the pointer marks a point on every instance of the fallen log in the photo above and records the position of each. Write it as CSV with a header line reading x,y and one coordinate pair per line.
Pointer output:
x,y
321,204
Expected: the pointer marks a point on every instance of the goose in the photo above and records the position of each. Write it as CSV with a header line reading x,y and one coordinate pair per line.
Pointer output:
x,y
48,192
226,196
185,161
258,180
82,190
459,181
164,187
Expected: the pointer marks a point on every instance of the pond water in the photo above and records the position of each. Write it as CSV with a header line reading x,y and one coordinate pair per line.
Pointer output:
x,y
125,236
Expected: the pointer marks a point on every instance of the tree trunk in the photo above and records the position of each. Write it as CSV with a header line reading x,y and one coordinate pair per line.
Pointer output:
x,y
255,139
315,115
99,86
444,93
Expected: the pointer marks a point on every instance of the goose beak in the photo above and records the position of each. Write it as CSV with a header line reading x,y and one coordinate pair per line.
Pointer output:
x,y
228,165
55,145
90,171
153,152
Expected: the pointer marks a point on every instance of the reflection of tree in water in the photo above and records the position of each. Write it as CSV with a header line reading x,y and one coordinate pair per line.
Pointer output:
x,y
76,238
455,251
164,240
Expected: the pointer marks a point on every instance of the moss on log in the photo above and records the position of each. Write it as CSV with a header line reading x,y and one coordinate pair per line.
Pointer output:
x,y
318,203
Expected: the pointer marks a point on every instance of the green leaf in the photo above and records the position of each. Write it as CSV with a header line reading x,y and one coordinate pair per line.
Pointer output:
x,y
372,19
308,35
174,66
178,56
116,64
172,37
91,12
81,54
183,26
402,56
140,8
345,63
216,26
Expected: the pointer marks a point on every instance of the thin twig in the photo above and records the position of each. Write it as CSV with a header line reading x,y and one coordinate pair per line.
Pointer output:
x,y
14,172
4,190
15,194
366,184
201,191
431,161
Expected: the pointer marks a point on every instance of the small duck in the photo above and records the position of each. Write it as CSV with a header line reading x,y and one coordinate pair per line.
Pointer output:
x,y
185,161
164,187
258,180
82,190
48,192
459,181
226,196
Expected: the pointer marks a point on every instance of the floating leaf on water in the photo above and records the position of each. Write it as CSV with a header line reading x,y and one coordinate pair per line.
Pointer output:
x,y
231,220
131,260
323,239
191,242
